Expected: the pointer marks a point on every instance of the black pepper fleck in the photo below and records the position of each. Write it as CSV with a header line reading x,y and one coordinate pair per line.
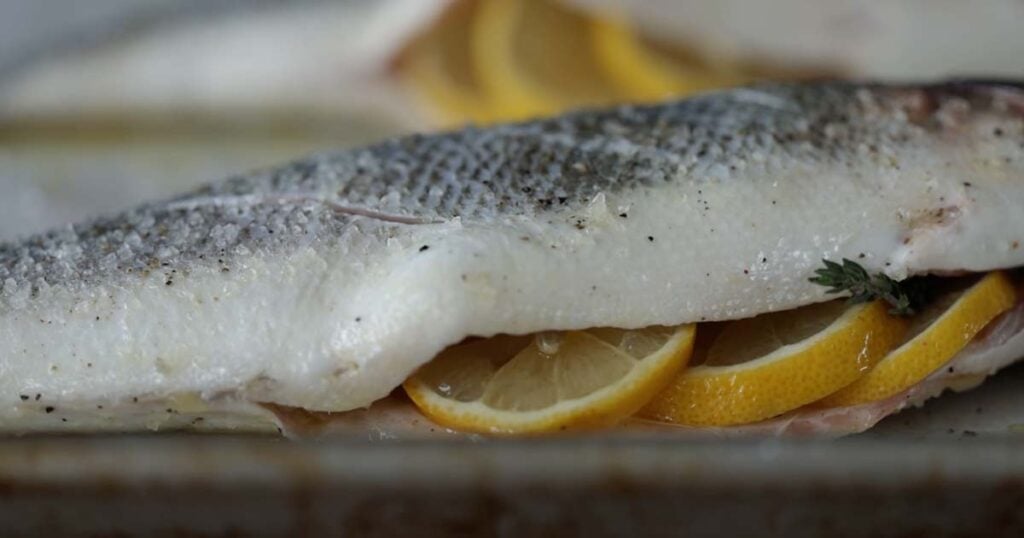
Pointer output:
x,y
424,248
624,215
49,409
650,238
23,397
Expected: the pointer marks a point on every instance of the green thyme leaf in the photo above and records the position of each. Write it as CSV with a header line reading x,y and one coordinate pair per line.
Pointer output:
x,y
849,277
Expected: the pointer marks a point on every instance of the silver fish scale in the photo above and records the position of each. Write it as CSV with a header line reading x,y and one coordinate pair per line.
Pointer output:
x,y
529,167
518,169
158,239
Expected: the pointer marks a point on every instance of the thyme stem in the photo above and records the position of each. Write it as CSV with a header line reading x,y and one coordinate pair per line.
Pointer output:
x,y
904,297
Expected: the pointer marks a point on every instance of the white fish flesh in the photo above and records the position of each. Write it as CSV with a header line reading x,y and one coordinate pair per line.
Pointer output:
x,y
324,283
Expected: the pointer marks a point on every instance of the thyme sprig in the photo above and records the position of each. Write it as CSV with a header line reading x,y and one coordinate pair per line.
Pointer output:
x,y
904,297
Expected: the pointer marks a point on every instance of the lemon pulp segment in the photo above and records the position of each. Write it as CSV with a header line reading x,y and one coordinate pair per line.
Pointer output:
x,y
551,381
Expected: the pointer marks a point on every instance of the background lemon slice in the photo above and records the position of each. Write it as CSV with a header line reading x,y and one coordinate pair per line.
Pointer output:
x,y
550,381
757,368
644,73
534,58
936,335
497,60
439,66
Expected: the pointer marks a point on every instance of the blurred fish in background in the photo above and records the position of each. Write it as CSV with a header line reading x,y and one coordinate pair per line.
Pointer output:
x,y
109,102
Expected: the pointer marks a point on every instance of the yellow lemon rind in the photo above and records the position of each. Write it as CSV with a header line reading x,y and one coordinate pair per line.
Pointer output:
x,y
935,346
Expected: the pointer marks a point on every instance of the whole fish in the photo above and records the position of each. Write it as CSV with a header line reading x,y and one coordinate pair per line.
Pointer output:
x,y
324,283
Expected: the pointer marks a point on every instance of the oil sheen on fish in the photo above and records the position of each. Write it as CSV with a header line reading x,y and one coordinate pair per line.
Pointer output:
x,y
324,283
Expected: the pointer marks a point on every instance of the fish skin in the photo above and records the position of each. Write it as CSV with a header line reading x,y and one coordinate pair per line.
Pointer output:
x,y
322,284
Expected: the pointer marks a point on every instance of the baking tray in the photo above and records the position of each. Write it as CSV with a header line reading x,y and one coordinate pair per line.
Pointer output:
x,y
934,471
236,486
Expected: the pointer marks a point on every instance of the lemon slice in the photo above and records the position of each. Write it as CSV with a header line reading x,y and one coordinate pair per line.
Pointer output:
x,y
757,368
534,58
492,47
439,67
936,335
551,381
630,65
646,74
